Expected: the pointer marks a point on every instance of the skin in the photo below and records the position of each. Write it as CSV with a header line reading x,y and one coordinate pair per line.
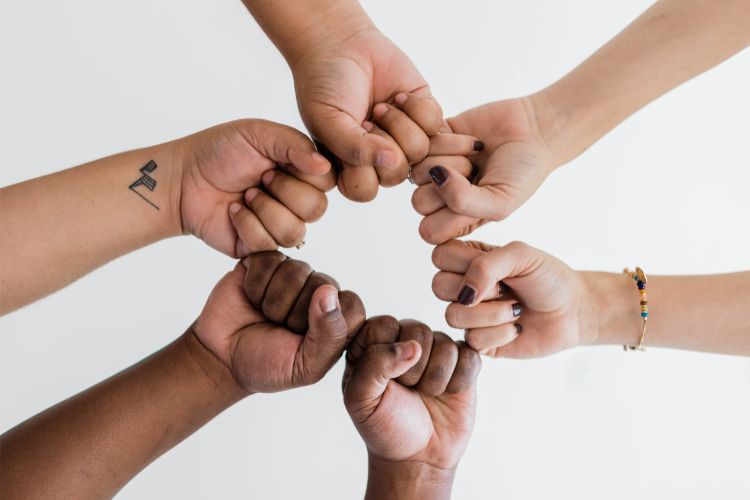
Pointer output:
x,y
527,138
91,445
342,66
206,185
562,308
415,431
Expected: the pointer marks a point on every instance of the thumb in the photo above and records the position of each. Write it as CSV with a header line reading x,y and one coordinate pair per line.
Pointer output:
x,y
347,140
461,196
326,338
373,372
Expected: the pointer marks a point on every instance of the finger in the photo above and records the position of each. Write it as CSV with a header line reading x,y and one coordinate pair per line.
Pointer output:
x,y
348,141
285,286
445,224
410,137
426,200
324,182
467,368
414,330
389,176
420,172
487,270
358,183
305,201
440,366
379,365
325,339
491,313
424,111
284,145
446,286
376,330
251,235
486,340
286,228
463,197
455,255
354,311
260,269
454,144
296,320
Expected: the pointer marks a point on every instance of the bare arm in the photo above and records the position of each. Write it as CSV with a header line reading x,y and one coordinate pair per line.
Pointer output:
x,y
670,43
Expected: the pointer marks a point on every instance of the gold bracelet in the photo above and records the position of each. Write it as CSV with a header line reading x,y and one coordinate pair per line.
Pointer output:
x,y
640,279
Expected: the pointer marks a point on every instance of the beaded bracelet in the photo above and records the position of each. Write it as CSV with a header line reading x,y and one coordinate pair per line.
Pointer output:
x,y
640,279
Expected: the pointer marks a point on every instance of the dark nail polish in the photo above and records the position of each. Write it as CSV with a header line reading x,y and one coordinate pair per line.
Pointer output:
x,y
478,146
467,296
503,288
519,327
439,175
517,310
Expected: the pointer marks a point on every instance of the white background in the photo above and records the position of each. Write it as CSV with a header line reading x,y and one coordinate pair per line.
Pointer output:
x,y
667,190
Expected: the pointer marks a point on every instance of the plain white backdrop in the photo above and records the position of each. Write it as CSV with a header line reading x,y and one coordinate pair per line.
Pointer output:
x,y
667,190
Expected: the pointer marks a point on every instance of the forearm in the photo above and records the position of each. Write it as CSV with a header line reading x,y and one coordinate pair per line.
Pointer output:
x,y
296,26
92,444
699,313
61,226
403,481
670,43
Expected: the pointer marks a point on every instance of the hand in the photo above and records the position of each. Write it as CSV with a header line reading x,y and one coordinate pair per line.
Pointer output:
x,y
338,82
224,167
411,394
264,354
514,301
515,159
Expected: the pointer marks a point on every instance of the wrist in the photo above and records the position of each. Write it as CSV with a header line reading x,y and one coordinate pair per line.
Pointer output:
x,y
403,480
610,312
211,369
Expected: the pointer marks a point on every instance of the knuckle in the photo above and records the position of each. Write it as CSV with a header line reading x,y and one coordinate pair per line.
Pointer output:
x,y
293,235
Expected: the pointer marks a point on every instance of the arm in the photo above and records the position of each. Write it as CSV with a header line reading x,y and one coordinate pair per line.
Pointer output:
x,y
411,395
528,138
342,65
59,227
542,306
92,444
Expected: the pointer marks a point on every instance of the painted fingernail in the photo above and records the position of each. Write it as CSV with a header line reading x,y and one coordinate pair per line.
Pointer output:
x,y
503,288
400,98
234,207
467,296
386,159
478,146
517,310
329,303
519,327
439,175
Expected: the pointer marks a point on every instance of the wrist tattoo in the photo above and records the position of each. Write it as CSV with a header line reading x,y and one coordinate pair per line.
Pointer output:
x,y
146,181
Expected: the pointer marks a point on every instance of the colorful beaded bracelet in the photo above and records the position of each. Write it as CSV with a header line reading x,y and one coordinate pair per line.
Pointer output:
x,y
640,280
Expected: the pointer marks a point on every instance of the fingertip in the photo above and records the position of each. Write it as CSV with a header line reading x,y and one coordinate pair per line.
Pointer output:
x,y
234,208
251,194
386,158
268,176
410,350
379,110
401,98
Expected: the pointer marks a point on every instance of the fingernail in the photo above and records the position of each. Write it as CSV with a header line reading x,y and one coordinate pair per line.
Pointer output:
x,y
478,146
379,110
405,350
318,158
467,296
386,159
234,207
503,288
439,175
400,98
519,327
268,176
250,195
329,303
517,310
368,126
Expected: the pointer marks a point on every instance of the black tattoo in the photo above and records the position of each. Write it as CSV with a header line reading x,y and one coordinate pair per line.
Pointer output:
x,y
147,181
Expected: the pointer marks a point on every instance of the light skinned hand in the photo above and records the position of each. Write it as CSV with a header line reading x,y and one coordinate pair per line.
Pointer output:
x,y
338,82
456,194
513,301
251,185
266,356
